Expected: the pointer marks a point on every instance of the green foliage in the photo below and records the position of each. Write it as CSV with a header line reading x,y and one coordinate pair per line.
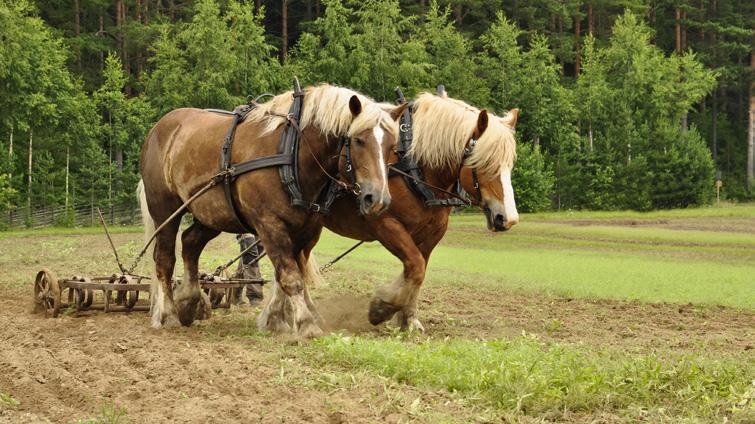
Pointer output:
x,y
448,52
609,136
532,181
7,193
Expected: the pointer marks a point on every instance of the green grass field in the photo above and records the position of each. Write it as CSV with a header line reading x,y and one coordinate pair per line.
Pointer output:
x,y
614,262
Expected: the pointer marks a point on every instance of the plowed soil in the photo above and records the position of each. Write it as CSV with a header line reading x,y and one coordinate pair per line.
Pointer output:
x,y
115,368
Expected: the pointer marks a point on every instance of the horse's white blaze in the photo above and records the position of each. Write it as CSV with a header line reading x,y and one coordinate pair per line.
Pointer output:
x,y
379,135
509,204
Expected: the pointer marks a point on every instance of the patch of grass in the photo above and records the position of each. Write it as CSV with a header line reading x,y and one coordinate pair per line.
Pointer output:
x,y
526,376
109,414
7,400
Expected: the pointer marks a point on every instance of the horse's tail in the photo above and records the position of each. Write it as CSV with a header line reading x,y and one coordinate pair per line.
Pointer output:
x,y
149,223
312,275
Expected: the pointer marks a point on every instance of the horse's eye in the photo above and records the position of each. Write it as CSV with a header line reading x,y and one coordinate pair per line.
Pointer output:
x,y
359,141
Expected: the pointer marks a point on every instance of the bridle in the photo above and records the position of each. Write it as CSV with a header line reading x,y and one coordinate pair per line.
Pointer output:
x,y
475,179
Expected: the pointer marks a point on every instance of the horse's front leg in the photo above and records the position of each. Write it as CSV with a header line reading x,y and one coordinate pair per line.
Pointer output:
x,y
288,307
401,295
188,296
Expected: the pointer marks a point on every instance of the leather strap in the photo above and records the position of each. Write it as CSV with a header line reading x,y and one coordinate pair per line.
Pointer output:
x,y
408,165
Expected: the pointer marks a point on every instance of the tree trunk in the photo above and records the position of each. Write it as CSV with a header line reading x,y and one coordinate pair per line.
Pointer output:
x,y
678,31
68,163
684,31
589,19
28,188
110,163
751,130
317,8
589,132
101,33
77,30
458,16
119,168
309,10
118,24
577,30
284,26
10,154
714,128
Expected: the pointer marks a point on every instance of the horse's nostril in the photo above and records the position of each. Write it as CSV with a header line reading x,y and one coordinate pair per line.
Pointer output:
x,y
500,220
368,200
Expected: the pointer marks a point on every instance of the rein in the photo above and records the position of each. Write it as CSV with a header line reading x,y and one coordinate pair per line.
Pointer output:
x,y
352,185
425,183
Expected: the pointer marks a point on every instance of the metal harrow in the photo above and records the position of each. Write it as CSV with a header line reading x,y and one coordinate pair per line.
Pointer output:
x,y
48,290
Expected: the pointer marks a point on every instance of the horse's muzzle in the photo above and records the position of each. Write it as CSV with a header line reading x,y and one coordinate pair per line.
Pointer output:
x,y
373,203
497,220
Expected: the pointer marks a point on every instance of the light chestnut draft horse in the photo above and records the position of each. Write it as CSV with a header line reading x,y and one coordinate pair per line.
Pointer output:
x,y
182,153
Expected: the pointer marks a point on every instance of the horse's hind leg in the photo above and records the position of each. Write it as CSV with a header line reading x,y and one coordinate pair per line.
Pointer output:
x,y
162,308
188,294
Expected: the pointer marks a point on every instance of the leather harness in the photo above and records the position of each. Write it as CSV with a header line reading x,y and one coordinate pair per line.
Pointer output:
x,y
408,168
287,161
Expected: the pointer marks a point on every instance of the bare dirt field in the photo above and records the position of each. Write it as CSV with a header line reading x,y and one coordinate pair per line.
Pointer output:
x,y
96,367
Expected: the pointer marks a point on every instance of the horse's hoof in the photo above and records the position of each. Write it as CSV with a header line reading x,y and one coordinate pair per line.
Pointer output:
x,y
309,330
187,313
381,311
413,325
273,324
204,308
168,321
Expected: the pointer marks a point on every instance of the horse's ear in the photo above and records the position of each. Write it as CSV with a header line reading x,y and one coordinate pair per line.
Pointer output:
x,y
355,105
398,111
510,119
482,123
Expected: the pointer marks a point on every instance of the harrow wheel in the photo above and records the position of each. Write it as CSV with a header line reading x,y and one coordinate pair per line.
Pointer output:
x,y
47,293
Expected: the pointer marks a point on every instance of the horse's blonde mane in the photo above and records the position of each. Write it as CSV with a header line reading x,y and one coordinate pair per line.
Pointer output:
x,y
442,127
326,107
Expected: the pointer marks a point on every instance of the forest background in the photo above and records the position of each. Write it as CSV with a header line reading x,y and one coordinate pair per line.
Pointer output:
x,y
625,104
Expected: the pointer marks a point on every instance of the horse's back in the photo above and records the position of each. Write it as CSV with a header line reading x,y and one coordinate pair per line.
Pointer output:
x,y
177,150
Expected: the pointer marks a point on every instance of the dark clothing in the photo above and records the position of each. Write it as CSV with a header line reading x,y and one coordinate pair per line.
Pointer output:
x,y
249,270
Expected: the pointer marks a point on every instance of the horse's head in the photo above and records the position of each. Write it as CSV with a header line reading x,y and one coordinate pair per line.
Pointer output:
x,y
486,169
372,136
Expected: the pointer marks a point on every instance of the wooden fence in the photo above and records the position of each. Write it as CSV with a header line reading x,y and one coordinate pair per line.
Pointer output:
x,y
78,216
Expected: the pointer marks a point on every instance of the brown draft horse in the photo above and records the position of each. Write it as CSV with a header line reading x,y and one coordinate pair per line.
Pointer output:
x,y
442,129
181,154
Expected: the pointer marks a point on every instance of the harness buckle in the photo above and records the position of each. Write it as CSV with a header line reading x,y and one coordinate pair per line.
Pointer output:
x,y
356,189
314,207
404,128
